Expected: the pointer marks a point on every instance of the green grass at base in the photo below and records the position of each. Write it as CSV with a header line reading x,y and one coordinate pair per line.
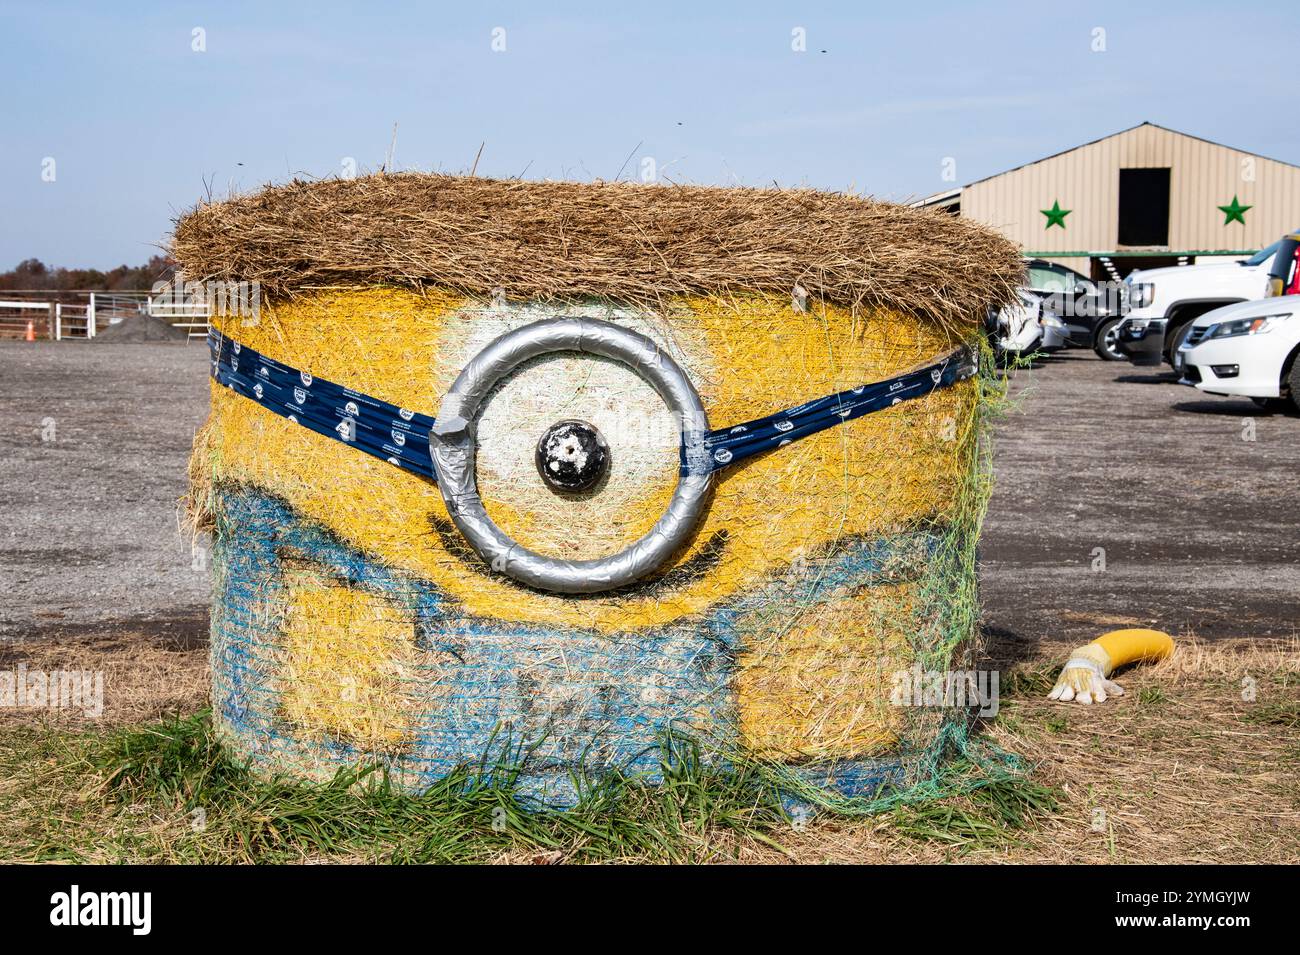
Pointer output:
x,y
169,793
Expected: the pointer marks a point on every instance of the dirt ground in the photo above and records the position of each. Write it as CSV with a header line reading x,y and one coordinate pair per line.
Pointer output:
x,y
93,443
1185,494
1188,496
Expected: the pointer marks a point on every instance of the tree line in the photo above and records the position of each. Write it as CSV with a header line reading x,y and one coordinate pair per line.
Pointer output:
x,y
36,275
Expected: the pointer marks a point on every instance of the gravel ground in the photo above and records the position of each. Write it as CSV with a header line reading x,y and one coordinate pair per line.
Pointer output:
x,y
1188,497
93,448
1182,491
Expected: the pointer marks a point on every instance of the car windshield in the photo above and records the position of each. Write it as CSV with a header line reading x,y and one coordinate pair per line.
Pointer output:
x,y
1263,255
1044,277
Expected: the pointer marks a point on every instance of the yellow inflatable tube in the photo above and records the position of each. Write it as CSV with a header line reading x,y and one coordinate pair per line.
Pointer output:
x,y
1085,677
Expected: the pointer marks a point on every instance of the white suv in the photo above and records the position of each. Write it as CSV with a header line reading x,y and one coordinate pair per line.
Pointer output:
x,y
1251,349
1165,302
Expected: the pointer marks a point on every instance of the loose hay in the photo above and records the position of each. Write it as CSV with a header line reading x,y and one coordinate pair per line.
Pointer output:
x,y
616,241
817,574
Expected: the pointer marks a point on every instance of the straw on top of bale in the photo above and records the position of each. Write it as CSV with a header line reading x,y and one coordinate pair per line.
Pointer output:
x,y
618,241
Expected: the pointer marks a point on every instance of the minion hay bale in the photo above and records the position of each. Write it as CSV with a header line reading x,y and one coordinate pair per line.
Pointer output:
x,y
545,473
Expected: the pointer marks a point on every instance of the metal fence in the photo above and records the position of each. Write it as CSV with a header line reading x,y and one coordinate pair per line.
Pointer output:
x,y
27,318
66,315
189,315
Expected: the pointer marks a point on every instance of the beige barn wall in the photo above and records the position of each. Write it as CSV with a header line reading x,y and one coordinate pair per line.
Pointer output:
x,y
1086,181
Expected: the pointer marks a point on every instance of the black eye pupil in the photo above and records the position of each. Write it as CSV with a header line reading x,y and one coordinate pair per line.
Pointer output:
x,y
572,456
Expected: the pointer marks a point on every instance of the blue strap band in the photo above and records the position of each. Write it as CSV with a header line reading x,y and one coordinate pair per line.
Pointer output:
x,y
727,446
396,435
401,437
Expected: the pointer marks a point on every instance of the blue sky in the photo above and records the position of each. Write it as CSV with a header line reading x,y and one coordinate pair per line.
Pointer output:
x,y
140,125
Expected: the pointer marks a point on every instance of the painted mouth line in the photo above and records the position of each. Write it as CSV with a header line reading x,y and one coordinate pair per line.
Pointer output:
x,y
698,566
709,556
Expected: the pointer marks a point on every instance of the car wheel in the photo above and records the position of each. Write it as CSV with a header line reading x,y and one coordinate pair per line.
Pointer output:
x,y
1107,346
1293,383
1173,344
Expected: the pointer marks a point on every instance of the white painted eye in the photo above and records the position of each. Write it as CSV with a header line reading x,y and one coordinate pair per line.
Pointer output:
x,y
640,431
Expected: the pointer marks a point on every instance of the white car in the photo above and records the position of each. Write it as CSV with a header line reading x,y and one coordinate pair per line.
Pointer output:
x,y
1164,303
1249,349
1028,327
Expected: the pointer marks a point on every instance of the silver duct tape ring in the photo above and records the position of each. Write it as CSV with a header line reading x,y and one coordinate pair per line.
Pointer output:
x,y
453,444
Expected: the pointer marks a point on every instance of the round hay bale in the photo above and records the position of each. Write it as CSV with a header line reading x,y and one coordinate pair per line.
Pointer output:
x,y
354,622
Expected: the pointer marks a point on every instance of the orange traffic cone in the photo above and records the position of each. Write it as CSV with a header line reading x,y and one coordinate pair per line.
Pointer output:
x,y
31,332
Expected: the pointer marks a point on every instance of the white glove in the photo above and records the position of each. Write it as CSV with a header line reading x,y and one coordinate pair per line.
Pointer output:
x,y
1084,681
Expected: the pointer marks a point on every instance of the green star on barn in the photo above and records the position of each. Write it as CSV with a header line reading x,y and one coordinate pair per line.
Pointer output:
x,y
1055,215
1235,212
